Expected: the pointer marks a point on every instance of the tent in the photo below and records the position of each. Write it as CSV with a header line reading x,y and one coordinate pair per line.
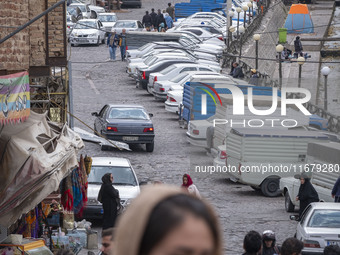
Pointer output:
x,y
299,20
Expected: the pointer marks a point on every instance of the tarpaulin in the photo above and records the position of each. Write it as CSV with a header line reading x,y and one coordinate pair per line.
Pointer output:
x,y
14,98
34,157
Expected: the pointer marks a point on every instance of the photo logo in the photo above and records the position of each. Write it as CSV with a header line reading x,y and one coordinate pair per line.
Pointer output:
x,y
204,98
239,97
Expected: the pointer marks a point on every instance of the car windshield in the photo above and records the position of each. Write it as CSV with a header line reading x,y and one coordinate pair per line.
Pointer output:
x,y
86,25
179,78
72,10
81,7
128,113
144,47
121,175
168,69
107,18
149,59
126,24
325,219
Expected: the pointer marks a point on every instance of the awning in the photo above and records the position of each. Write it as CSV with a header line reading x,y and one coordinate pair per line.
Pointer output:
x,y
34,157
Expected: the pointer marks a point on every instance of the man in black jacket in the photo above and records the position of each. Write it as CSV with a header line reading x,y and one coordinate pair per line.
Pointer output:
x,y
147,21
153,16
160,21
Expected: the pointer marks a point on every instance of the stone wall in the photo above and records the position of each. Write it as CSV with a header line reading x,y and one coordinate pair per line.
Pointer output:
x,y
274,19
29,48
14,53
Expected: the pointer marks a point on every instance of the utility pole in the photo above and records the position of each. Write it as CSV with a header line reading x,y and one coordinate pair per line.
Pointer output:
x,y
228,19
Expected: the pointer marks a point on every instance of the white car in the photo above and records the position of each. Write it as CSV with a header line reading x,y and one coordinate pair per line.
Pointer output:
x,y
87,31
176,69
161,88
137,53
186,35
205,35
125,181
86,9
108,20
128,25
174,99
319,227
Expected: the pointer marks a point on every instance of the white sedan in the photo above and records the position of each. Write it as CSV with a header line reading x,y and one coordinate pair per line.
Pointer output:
x,y
205,35
319,227
174,99
174,70
87,31
108,20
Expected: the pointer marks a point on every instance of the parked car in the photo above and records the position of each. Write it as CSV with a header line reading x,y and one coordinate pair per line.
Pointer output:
x,y
176,69
160,88
125,181
108,20
128,25
174,99
87,31
319,227
86,9
132,3
137,53
204,35
127,123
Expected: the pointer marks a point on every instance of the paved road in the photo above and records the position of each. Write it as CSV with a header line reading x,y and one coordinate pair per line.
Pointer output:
x,y
240,208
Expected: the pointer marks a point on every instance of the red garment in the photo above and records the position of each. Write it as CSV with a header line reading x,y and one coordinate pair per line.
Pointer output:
x,y
189,181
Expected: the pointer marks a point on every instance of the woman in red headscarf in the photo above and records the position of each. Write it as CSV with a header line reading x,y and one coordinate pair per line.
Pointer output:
x,y
189,185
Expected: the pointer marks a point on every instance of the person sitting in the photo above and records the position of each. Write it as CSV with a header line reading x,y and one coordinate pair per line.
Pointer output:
x,y
286,54
254,78
236,71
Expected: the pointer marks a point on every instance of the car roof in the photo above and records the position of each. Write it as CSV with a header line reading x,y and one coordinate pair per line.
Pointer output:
x,y
85,20
124,20
326,205
110,161
107,13
126,106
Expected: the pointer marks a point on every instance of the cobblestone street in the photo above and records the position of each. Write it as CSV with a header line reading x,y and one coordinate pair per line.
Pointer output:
x,y
240,208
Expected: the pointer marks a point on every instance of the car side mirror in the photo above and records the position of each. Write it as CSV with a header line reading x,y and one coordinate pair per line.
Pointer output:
x,y
143,183
151,115
95,114
294,217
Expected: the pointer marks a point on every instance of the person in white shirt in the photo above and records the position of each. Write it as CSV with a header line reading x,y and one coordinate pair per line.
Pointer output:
x,y
190,186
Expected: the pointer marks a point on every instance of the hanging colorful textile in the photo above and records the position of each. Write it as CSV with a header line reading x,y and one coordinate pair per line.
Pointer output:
x,y
14,98
67,193
77,194
88,164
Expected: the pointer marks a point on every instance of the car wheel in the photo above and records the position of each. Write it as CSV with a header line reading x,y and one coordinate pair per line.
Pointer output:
x,y
289,206
98,41
72,45
270,187
149,147
140,6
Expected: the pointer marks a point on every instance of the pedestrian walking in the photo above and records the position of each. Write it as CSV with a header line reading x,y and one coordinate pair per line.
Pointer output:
x,y
254,78
122,44
291,246
297,47
153,16
236,71
252,243
171,10
160,21
336,191
112,43
191,225
168,20
109,197
147,21
307,194
269,246
189,185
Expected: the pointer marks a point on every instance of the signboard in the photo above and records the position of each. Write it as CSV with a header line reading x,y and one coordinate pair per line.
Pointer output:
x,y
14,98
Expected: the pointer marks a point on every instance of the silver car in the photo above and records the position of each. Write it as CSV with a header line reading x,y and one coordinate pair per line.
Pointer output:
x,y
128,25
125,181
319,227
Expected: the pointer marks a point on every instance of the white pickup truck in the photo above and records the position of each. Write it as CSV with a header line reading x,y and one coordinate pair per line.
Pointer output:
x,y
323,165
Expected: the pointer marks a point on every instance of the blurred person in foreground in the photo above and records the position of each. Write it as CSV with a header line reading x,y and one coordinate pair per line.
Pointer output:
x,y
167,220
331,250
252,243
268,243
291,246
107,242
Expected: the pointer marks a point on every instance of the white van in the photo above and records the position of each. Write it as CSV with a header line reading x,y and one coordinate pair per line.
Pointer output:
x,y
323,166
260,157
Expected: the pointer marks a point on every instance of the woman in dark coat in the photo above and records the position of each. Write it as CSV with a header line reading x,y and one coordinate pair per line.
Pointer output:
x,y
307,193
108,196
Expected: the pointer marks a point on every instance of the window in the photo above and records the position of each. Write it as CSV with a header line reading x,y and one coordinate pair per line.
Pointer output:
x,y
107,18
179,78
204,69
121,175
128,113
326,218
168,69
187,69
85,25
196,32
